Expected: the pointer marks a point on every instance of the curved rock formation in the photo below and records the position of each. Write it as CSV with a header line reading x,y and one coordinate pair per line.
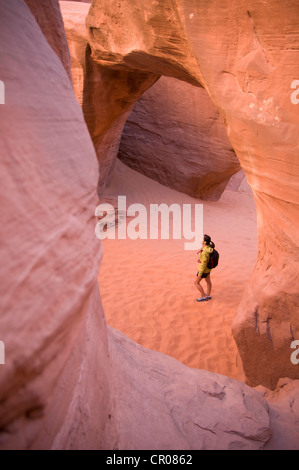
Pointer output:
x,y
106,96
107,101
246,58
180,408
284,414
59,389
48,16
51,320
187,151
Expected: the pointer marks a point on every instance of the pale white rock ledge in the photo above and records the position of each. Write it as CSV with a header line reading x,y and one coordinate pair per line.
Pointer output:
x,y
162,404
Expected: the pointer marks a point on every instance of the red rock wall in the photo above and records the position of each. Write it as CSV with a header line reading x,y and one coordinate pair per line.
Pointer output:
x,y
58,387
54,386
202,159
246,58
176,136
106,96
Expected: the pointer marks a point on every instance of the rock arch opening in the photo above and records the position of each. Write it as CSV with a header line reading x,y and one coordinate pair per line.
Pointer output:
x,y
245,75
68,380
146,285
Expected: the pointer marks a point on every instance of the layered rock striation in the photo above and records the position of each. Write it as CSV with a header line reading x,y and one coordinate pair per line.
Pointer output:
x,y
67,382
63,383
106,96
54,386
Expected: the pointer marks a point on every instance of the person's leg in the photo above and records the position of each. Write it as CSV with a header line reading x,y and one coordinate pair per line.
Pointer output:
x,y
209,285
197,284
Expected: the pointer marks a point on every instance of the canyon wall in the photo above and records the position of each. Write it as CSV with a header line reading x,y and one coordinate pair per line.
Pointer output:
x,y
48,16
186,151
176,136
246,58
106,96
54,386
63,382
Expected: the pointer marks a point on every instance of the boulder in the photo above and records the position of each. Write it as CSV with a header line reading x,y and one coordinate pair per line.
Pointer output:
x,y
164,405
283,405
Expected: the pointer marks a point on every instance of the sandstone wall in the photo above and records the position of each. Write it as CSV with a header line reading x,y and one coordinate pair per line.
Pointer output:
x,y
176,136
54,386
106,96
67,382
63,381
246,58
48,16
187,151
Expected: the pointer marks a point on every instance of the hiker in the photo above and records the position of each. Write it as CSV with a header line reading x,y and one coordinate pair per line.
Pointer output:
x,y
203,270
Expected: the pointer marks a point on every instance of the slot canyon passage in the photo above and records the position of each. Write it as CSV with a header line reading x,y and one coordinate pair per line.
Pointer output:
x,y
73,73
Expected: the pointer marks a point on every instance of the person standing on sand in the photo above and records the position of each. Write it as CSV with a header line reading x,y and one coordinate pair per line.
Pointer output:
x,y
203,270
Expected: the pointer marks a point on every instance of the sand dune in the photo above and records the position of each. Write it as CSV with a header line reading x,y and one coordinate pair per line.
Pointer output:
x,y
147,285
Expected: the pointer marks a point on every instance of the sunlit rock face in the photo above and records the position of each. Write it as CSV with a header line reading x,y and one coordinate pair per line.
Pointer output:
x,y
246,58
67,382
106,96
176,136
186,151
59,389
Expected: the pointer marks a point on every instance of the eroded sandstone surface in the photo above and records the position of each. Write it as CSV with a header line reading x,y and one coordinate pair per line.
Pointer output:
x,y
106,96
59,388
52,324
48,17
176,136
199,409
246,58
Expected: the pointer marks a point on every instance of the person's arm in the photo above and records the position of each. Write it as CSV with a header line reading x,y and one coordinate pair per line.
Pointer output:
x,y
204,259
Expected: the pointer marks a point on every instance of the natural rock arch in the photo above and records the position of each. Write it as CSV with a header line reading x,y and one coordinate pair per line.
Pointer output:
x,y
247,69
176,136
65,372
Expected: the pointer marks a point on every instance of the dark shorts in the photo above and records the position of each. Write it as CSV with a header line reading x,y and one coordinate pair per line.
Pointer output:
x,y
204,275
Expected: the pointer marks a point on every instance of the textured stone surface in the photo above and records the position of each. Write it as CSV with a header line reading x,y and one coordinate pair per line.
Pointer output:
x,y
106,96
145,36
176,136
238,182
74,14
284,415
55,388
51,319
58,388
163,404
48,16
246,58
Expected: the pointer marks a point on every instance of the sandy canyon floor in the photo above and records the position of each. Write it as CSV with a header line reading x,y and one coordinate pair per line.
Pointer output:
x,y
147,286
